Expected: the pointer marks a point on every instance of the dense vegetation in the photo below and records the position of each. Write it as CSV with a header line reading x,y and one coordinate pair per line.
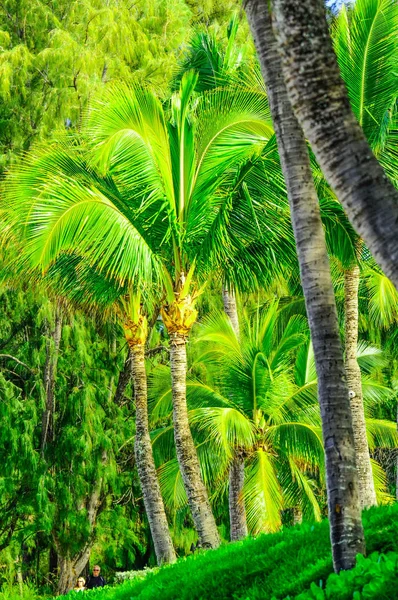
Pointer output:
x,y
164,381
276,566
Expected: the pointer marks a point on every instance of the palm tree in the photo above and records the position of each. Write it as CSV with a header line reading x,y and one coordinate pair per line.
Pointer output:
x,y
342,481
217,65
365,43
152,198
254,411
319,99
257,399
82,285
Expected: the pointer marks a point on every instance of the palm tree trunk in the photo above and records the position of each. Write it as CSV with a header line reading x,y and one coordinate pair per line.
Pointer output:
x,y
186,452
367,493
320,102
50,368
237,512
124,379
341,476
145,463
231,309
297,516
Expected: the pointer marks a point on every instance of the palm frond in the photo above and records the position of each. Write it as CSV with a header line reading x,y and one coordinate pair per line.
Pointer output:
x,y
262,494
225,427
381,433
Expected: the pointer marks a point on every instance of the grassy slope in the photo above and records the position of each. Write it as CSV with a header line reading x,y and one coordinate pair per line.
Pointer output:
x,y
271,566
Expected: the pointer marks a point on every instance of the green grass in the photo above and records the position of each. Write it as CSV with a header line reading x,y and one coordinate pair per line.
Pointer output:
x,y
272,566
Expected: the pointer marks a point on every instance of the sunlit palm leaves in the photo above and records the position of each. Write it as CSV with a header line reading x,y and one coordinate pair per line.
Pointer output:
x,y
260,399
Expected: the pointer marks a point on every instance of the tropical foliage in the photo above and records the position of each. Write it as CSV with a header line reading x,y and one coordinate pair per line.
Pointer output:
x,y
143,181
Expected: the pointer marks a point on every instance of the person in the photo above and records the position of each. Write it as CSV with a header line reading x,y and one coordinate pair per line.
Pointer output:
x,y
95,580
80,585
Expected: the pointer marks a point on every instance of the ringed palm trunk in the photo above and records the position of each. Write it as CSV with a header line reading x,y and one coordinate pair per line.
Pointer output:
x,y
178,318
320,102
341,475
367,493
237,512
153,502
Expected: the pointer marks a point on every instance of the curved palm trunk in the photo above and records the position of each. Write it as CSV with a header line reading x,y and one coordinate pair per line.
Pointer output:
x,y
145,463
341,476
320,101
237,512
367,493
186,452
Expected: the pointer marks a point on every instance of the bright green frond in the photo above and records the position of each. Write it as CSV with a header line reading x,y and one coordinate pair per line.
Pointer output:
x,y
381,434
65,207
381,484
227,428
128,131
262,493
383,299
172,486
299,440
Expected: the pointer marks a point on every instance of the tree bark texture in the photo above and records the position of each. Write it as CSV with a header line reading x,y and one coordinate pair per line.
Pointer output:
x,y
367,492
231,309
237,512
50,368
320,102
297,516
341,476
145,463
185,448
124,379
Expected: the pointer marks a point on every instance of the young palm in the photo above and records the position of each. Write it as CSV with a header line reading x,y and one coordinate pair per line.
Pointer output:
x,y
269,377
257,412
152,198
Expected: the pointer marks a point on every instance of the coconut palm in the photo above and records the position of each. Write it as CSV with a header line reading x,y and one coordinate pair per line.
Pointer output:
x,y
320,101
366,43
281,454
342,481
80,284
258,400
151,196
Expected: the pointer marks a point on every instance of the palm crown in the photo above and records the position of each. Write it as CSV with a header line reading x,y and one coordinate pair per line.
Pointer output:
x,y
152,191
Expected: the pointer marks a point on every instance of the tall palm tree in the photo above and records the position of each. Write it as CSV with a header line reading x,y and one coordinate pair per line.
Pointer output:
x,y
342,481
217,64
81,284
150,196
365,42
319,99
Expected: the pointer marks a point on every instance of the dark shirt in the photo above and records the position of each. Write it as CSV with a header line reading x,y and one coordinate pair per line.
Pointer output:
x,y
95,582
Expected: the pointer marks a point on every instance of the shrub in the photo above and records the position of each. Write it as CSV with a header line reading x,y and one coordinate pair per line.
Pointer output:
x,y
272,566
373,578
